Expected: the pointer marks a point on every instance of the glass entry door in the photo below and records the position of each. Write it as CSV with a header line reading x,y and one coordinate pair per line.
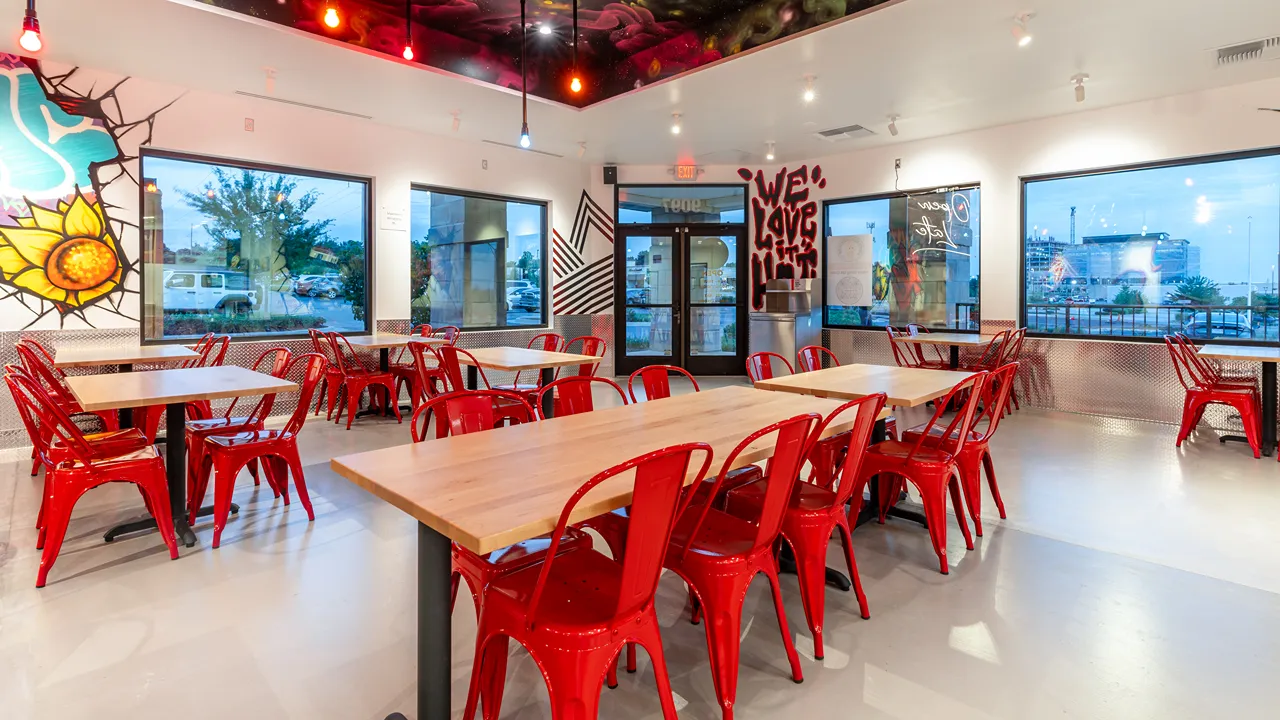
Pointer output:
x,y
681,299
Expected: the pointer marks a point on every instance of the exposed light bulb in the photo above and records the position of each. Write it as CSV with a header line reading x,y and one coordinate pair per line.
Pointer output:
x,y
675,123
524,136
331,18
809,94
544,29
575,84
408,52
768,156
1020,31
30,38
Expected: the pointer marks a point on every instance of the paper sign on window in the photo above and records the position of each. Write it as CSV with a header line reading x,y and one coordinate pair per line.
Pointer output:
x,y
849,264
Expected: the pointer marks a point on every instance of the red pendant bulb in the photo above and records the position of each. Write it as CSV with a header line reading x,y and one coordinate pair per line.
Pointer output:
x,y
408,30
30,38
575,85
331,17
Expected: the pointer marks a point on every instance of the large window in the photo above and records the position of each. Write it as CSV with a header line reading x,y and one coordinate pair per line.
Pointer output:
x,y
903,258
1182,246
477,261
248,250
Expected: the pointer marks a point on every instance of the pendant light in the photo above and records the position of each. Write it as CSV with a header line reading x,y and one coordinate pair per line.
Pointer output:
x,y
575,84
524,84
331,18
30,38
408,29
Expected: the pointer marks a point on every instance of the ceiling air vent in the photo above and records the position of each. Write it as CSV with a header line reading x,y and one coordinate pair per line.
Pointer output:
x,y
840,134
1266,49
309,106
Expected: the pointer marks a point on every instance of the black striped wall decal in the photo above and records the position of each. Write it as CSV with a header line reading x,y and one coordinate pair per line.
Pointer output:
x,y
582,287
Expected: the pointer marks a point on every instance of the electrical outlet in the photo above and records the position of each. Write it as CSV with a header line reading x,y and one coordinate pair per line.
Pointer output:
x,y
248,124
897,163
484,164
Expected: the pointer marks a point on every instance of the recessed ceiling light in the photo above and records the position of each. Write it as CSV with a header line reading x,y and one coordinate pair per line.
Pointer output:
x,y
769,154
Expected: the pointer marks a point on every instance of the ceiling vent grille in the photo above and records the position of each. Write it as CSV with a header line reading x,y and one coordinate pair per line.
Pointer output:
x,y
840,134
309,106
517,147
1265,49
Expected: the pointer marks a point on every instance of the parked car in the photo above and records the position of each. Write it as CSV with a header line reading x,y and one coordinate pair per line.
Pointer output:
x,y
514,288
528,300
208,291
637,296
1218,324
308,279
327,286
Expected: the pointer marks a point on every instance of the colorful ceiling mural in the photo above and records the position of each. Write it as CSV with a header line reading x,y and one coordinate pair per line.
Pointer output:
x,y
621,46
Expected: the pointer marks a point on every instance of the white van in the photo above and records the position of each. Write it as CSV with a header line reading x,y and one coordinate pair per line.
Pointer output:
x,y
203,291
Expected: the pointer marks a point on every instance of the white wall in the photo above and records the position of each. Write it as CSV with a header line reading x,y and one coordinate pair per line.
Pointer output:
x,y
214,125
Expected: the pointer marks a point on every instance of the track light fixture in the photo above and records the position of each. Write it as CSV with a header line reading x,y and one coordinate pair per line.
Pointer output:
x,y
1078,80
893,125
524,84
331,18
1021,31
675,123
30,38
809,94
768,156
408,30
582,148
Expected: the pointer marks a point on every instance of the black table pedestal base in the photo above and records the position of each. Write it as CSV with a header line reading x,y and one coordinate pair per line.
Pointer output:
x,y
835,578
181,529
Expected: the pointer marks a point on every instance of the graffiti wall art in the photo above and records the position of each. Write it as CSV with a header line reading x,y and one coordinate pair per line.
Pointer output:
x,y
785,223
582,287
61,249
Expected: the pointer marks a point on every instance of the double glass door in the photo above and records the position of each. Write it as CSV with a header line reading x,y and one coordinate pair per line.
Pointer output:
x,y
681,295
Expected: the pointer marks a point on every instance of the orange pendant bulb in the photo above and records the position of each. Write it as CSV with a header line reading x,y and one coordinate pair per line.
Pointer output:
x,y
30,38
331,18
575,84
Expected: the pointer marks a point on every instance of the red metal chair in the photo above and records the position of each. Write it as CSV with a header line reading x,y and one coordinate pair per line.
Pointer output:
x,y
760,365
573,395
657,381
975,455
225,455
1210,370
357,376
449,332
549,342
591,345
575,611
1013,354
907,354
719,554
406,373
77,468
817,509
212,351
38,364
432,377
810,358
1202,391
276,361
991,354
471,411
933,470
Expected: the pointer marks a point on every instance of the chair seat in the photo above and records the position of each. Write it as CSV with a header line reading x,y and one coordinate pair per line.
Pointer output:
x,y
104,444
219,424
530,552
105,464
935,434
897,450
581,593
735,478
806,497
722,538
245,438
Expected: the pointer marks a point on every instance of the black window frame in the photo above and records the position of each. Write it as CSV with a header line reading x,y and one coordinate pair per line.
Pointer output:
x,y
370,281
1181,161
826,232
545,322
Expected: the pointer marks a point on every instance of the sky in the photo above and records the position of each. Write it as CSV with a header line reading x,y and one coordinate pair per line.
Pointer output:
x,y
1208,204
340,200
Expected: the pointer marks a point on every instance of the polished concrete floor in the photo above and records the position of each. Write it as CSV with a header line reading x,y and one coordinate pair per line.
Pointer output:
x,y
1131,580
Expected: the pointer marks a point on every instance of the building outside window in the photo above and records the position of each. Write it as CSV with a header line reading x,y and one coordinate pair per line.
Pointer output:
x,y
250,250
1183,246
903,258
478,261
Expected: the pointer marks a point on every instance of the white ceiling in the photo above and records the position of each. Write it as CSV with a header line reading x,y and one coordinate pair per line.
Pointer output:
x,y
944,66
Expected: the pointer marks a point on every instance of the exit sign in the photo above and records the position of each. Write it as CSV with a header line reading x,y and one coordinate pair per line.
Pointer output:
x,y
686,172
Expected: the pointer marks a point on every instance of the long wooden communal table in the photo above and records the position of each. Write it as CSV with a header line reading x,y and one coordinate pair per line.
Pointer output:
x,y
1268,356
173,389
513,359
122,358
955,340
905,387
491,489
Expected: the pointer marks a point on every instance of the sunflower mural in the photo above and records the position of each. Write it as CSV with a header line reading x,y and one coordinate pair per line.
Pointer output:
x,y
60,241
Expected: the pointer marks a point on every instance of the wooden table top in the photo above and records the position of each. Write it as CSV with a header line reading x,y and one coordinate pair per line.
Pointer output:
x,y
513,358
97,356
491,489
389,340
908,387
948,338
1253,353
113,391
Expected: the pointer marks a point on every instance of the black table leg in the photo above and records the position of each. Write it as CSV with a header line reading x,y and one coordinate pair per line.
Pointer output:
x,y
1268,408
955,357
384,359
125,414
435,631
871,505
545,377
473,377
176,473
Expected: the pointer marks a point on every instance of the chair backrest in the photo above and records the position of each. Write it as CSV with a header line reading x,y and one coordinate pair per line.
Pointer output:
x,y
468,411
422,353
307,370
418,331
448,355
810,358
449,332
349,362
1189,375
211,350
45,420
36,429
44,353
274,361
994,350
918,329
38,367
657,381
903,354
199,347
780,475
966,395
590,345
760,365
547,342
997,391
864,410
1203,372
1013,348
573,394
659,478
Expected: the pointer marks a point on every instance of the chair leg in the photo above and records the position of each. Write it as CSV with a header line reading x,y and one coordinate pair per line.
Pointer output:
x,y
253,471
224,485
989,466
722,604
157,494
771,571
573,683
57,517
935,513
353,403
320,395
494,677
953,484
847,541
811,572
299,482
970,467
1188,420
652,644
